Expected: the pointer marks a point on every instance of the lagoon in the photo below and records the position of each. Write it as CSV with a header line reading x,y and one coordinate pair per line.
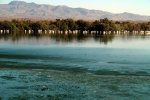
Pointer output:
x,y
75,67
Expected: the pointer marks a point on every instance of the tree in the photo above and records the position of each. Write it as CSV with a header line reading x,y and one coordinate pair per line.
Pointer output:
x,y
98,26
82,25
18,26
64,26
7,25
71,24
26,24
35,26
44,25
144,27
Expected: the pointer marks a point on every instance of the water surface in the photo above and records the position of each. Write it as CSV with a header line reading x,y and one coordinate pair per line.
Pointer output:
x,y
116,67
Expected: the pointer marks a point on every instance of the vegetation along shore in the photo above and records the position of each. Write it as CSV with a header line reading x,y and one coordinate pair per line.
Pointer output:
x,y
70,26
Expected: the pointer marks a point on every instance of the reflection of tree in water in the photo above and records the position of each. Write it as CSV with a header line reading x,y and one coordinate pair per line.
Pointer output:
x,y
16,37
69,38
5,37
81,38
133,36
104,38
63,38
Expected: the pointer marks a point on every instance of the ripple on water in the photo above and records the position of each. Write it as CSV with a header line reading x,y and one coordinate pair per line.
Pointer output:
x,y
127,73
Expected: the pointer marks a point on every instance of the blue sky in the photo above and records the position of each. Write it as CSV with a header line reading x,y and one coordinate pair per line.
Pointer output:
x,y
116,6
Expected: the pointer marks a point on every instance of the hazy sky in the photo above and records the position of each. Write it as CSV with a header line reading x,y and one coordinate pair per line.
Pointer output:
x,y
115,6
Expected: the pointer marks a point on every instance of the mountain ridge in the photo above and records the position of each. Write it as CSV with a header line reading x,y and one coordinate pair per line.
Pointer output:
x,y
21,9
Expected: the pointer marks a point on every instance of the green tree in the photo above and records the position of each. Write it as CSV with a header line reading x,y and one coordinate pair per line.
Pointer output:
x,y
144,27
82,26
35,26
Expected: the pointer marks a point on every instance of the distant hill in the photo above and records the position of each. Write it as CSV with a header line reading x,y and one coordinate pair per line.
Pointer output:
x,y
20,9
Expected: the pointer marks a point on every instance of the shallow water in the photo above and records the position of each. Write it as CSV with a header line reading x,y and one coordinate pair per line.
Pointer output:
x,y
72,67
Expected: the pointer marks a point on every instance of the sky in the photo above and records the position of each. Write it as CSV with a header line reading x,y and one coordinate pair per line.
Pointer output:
x,y
115,6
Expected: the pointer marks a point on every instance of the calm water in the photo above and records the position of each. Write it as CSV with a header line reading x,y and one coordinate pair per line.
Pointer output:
x,y
116,67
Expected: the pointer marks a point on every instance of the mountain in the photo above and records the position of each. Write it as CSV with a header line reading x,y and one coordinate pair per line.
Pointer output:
x,y
21,9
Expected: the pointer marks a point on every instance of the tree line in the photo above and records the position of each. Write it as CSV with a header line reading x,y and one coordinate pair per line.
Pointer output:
x,y
70,25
